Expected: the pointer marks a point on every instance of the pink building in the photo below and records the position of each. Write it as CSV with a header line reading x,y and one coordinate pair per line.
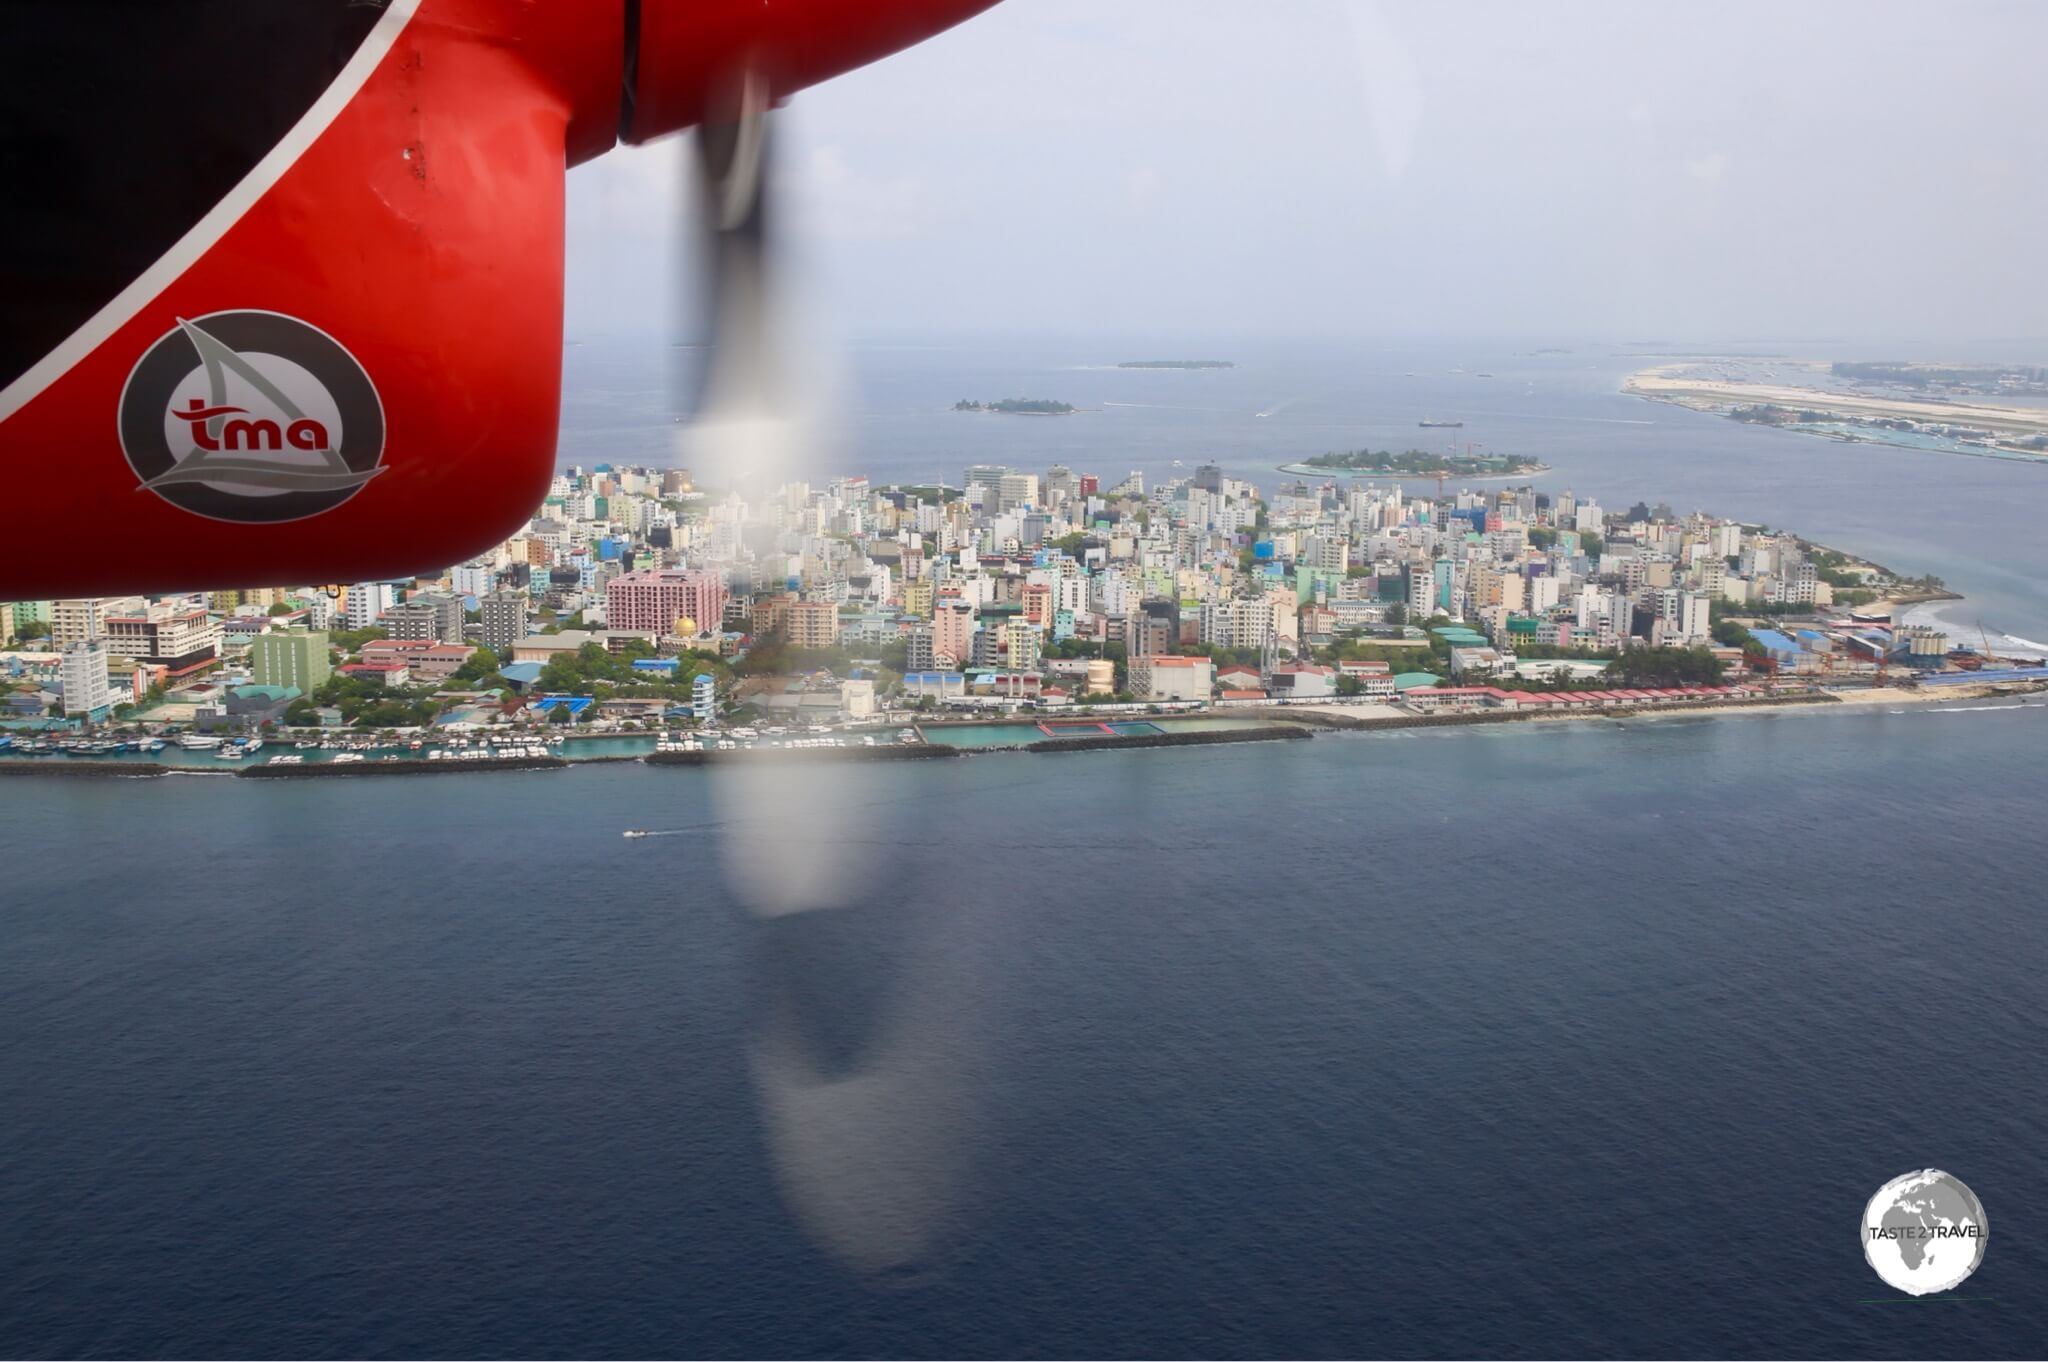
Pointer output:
x,y
655,598
952,631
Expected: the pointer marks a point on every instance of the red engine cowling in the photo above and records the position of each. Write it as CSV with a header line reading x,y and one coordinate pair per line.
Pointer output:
x,y
283,290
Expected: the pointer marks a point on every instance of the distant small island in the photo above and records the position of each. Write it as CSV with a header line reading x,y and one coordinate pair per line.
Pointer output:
x,y
1177,364
1026,406
1416,463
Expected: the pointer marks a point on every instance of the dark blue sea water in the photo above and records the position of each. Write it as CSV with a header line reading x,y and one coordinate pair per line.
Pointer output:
x,y
1580,1039
1974,522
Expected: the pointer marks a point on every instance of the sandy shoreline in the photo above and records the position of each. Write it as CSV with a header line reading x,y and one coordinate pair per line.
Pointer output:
x,y
1709,394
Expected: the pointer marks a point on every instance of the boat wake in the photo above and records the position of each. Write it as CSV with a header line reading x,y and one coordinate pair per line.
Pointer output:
x,y
1970,632
1170,406
1983,709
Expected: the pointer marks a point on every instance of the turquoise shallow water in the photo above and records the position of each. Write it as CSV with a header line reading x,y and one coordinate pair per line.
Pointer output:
x,y
1532,1040
1020,735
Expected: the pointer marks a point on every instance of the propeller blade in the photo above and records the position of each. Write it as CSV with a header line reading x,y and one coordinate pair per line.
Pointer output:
x,y
741,413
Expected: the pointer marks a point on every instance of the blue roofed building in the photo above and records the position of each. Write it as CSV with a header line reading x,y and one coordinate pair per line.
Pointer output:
x,y
520,675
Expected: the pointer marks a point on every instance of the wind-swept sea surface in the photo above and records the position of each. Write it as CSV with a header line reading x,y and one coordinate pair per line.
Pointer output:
x,y
1577,1039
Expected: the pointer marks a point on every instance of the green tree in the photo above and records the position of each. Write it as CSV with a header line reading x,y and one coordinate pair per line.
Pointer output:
x,y
1658,667
281,608
384,714
1729,634
352,640
1397,614
480,664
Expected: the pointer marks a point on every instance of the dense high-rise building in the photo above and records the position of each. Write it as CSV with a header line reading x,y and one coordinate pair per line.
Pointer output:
x,y
655,599
813,624
471,579
87,694
75,621
504,615
435,616
366,602
291,657
918,653
952,632
162,635
1021,644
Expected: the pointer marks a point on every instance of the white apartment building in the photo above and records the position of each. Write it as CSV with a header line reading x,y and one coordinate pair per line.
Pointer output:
x,y
86,689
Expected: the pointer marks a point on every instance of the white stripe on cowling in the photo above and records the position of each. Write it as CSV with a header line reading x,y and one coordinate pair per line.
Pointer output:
x,y
223,215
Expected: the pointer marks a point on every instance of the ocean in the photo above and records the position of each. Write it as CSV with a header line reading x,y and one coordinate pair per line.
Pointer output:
x,y
1579,1039
1534,1040
1972,521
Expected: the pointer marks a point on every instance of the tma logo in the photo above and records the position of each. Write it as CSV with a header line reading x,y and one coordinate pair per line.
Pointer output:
x,y
304,433
252,417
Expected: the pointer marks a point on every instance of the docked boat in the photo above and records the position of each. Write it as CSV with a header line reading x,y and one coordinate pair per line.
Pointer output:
x,y
194,742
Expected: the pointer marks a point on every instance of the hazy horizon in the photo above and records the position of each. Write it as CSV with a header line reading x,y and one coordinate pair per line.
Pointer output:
x,y
1859,175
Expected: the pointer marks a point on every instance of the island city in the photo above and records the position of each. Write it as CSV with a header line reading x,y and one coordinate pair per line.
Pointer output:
x,y
638,615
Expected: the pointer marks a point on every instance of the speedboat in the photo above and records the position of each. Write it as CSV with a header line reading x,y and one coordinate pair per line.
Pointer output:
x,y
635,832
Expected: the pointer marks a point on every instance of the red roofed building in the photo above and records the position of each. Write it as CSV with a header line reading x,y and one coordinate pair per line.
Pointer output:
x,y
375,673
1238,677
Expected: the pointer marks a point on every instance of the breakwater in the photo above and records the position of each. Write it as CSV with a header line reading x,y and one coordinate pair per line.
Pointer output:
x,y
750,756
1277,733
405,766
18,766
1508,716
